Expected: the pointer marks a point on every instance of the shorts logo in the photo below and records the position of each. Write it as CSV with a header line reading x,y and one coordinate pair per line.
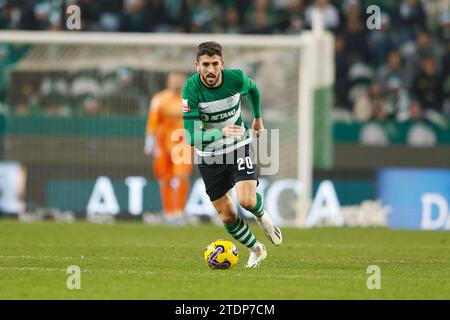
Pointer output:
x,y
185,105
204,117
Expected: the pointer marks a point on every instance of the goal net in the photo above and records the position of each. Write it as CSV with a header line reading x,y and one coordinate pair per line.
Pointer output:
x,y
76,105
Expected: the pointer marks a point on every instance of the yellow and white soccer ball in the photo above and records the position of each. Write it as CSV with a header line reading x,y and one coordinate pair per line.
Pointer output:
x,y
221,254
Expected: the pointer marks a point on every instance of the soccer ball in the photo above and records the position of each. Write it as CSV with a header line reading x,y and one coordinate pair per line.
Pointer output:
x,y
221,254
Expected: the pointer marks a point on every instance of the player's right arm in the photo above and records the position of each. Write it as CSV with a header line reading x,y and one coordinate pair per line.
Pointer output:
x,y
195,136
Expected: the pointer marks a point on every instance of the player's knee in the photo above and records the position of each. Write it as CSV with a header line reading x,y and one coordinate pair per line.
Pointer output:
x,y
248,202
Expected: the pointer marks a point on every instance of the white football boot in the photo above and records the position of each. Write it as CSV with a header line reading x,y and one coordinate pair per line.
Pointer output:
x,y
273,232
257,254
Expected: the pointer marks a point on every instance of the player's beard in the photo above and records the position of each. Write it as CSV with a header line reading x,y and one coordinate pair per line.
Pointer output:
x,y
211,81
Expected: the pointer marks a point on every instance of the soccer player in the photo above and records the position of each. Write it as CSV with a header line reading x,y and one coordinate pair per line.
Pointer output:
x,y
163,119
213,124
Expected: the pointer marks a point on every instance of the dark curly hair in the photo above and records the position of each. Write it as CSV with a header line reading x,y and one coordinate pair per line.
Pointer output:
x,y
209,48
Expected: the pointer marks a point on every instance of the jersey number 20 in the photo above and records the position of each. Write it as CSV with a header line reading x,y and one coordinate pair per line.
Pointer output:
x,y
244,162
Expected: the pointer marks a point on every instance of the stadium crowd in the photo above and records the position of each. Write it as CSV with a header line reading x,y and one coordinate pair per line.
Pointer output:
x,y
401,71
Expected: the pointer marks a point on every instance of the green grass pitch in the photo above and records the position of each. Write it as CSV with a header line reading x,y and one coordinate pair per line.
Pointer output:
x,y
129,260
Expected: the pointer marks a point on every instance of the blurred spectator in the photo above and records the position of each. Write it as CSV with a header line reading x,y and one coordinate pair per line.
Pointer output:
x,y
350,10
90,10
42,15
444,26
397,100
55,109
356,39
91,108
260,18
159,17
21,109
55,88
393,68
446,107
231,23
109,15
381,42
370,106
360,76
109,82
126,99
415,111
260,23
423,48
433,10
109,22
281,4
206,17
292,18
27,102
329,11
9,15
409,18
446,85
446,60
342,67
427,86
136,16
84,85
179,14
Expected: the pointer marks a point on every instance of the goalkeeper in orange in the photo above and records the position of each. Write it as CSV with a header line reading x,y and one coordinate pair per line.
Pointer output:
x,y
164,120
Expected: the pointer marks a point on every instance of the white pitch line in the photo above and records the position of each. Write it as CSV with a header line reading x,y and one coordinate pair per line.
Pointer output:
x,y
308,245
38,269
35,257
32,269
70,258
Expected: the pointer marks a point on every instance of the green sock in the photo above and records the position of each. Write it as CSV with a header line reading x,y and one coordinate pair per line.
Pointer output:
x,y
241,232
258,210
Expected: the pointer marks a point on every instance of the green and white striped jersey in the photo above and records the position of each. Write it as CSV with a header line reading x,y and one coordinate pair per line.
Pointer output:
x,y
207,110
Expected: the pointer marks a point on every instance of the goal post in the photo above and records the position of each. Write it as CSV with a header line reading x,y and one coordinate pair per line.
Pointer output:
x,y
315,135
295,75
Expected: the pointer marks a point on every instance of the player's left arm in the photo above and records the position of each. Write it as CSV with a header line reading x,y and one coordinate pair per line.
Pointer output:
x,y
249,88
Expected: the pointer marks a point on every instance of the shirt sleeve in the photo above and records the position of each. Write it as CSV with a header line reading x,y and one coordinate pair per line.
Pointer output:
x,y
249,88
195,136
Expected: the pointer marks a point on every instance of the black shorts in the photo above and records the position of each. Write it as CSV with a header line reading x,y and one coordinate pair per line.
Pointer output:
x,y
220,173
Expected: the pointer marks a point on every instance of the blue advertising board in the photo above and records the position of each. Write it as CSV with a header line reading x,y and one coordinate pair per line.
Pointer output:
x,y
418,198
